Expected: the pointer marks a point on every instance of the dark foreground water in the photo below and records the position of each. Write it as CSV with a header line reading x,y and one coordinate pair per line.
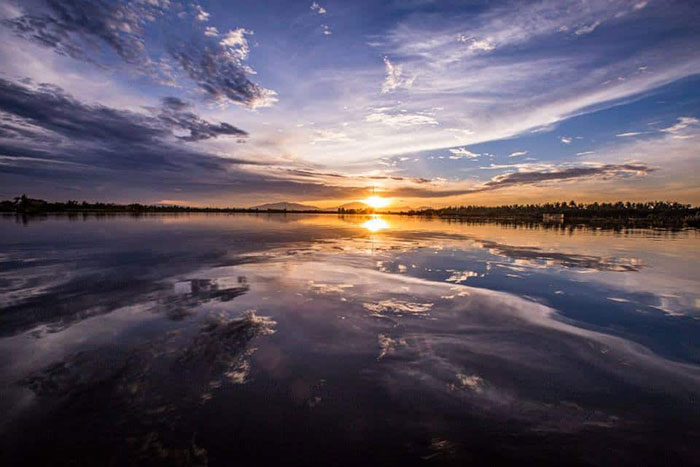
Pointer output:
x,y
324,340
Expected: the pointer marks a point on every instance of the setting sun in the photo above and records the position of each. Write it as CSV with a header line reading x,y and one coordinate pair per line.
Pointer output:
x,y
377,202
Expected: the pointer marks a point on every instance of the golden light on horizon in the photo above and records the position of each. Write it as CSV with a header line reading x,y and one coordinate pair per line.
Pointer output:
x,y
376,224
377,202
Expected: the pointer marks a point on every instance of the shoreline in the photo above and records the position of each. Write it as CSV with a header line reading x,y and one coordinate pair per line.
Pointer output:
x,y
598,222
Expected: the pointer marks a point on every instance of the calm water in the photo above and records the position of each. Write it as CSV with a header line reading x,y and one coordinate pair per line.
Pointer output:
x,y
324,340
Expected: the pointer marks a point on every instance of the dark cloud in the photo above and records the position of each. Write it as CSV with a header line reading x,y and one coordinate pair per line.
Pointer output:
x,y
82,29
48,107
77,27
220,73
176,114
52,143
606,171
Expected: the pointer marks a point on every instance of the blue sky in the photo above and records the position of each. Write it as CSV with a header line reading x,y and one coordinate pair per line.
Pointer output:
x,y
426,102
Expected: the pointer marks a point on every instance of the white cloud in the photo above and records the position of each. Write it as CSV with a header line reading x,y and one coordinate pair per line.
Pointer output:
x,y
628,134
679,129
330,136
211,31
318,9
463,153
517,153
395,77
585,153
236,41
476,45
326,30
200,14
565,139
640,5
400,119
493,96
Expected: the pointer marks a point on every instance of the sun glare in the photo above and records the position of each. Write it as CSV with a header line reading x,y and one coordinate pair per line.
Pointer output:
x,y
376,224
377,202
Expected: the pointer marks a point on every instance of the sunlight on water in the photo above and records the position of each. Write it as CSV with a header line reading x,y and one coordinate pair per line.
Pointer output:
x,y
375,224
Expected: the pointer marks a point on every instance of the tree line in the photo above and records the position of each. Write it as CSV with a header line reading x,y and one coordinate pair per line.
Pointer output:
x,y
649,212
623,211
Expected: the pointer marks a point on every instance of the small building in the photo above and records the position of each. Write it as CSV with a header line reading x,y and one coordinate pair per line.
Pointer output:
x,y
553,217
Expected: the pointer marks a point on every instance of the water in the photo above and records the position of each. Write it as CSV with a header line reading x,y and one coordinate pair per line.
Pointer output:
x,y
326,340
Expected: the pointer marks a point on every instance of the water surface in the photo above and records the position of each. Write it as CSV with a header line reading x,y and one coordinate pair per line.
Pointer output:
x,y
345,340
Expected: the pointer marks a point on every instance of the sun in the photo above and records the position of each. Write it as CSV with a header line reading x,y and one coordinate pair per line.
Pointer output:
x,y
377,202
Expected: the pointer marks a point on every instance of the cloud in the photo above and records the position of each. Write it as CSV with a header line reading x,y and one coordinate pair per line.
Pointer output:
x,y
326,30
587,29
476,45
63,128
85,29
175,114
330,136
606,171
531,82
211,31
200,14
463,153
534,177
220,73
517,154
629,134
565,139
401,119
678,130
73,27
237,43
395,77
318,9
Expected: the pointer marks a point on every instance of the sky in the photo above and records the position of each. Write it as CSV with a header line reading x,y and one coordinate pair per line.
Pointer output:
x,y
428,103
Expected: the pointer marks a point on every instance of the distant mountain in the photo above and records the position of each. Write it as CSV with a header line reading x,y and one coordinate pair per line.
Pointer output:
x,y
353,205
358,205
284,206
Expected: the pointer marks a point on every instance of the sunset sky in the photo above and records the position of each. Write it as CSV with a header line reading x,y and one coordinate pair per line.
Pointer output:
x,y
428,103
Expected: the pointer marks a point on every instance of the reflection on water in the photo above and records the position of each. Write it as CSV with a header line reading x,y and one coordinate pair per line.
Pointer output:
x,y
240,339
375,224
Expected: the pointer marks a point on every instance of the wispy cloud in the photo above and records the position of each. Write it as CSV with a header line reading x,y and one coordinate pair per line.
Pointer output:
x,y
679,129
524,178
475,45
401,119
395,77
463,153
517,154
587,29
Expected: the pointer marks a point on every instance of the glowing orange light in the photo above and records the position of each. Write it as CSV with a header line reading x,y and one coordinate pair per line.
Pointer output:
x,y
376,224
377,202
